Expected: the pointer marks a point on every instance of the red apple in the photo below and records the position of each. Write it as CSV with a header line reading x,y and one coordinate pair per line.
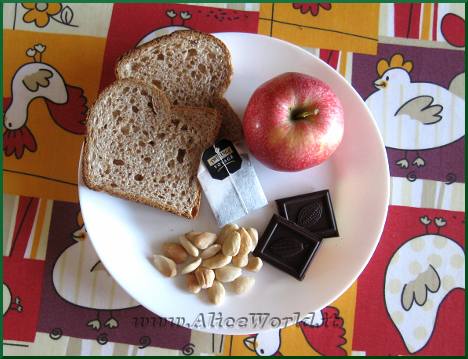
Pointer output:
x,y
293,122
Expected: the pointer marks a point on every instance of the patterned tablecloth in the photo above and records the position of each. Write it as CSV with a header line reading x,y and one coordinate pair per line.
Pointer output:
x,y
409,300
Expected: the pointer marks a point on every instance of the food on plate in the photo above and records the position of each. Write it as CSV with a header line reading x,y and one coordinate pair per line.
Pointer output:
x,y
254,264
165,265
205,277
231,128
312,211
216,293
210,268
240,260
217,261
191,236
192,266
192,283
293,122
227,273
175,252
204,240
188,245
253,236
232,244
225,232
210,251
245,242
192,68
139,147
288,247
242,284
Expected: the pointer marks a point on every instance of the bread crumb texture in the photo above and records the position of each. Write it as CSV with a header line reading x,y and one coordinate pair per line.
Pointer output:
x,y
139,148
190,67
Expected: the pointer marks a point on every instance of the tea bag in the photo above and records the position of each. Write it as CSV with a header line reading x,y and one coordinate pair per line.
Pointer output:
x,y
229,182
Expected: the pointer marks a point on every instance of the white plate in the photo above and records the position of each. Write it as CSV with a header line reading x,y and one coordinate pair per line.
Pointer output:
x,y
126,234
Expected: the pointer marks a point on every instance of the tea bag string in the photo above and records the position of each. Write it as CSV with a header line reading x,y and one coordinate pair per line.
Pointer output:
x,y
232,180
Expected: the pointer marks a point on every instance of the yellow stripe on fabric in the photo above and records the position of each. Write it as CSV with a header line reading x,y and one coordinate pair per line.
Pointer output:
x,y
7,242
426,22
39,225
42,249
344,58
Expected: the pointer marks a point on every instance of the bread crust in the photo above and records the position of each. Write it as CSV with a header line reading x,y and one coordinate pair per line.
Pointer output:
x,y
104,106
135,53
207,91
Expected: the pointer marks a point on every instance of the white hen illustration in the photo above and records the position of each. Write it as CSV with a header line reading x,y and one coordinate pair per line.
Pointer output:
x,y
420,274
38,80
8,303
414,116
80,278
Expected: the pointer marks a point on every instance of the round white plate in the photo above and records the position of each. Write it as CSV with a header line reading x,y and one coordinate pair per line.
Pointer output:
x,y
126,235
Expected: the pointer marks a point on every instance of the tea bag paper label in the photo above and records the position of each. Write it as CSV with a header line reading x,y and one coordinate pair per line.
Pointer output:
x,y
222,159
235,191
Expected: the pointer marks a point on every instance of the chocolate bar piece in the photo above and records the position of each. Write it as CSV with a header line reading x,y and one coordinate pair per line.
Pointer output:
x,y
287,246
312,211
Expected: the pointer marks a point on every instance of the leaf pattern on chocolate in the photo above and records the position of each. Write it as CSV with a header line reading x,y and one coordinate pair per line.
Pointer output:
x,y
310,214
286,247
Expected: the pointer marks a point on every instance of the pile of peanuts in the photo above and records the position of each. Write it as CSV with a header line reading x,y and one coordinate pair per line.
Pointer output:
x,y
213,255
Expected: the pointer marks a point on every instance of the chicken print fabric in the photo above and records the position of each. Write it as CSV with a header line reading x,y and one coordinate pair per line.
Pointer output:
x,y
411,95
413,286
346,27
46,98
406,61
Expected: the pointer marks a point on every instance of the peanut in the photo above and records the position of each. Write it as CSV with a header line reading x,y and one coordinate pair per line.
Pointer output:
x,y
216,293
246,241
232,244
165,265
225,232
242,284
254,264
175,252
189,247
217,261
192,283
227,273
204,240
205,277
210,251
192,266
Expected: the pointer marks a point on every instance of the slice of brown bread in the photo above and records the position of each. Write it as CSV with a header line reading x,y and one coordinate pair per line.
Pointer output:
x,y
192,68
231,127
139,147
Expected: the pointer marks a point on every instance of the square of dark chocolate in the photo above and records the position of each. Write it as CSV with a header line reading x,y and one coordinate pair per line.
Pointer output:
x,y
288,247
312,211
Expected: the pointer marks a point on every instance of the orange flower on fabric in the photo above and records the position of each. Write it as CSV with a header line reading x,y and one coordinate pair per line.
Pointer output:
x,y
40,13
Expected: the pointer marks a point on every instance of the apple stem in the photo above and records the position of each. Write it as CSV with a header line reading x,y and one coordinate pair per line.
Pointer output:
x,y
305,114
